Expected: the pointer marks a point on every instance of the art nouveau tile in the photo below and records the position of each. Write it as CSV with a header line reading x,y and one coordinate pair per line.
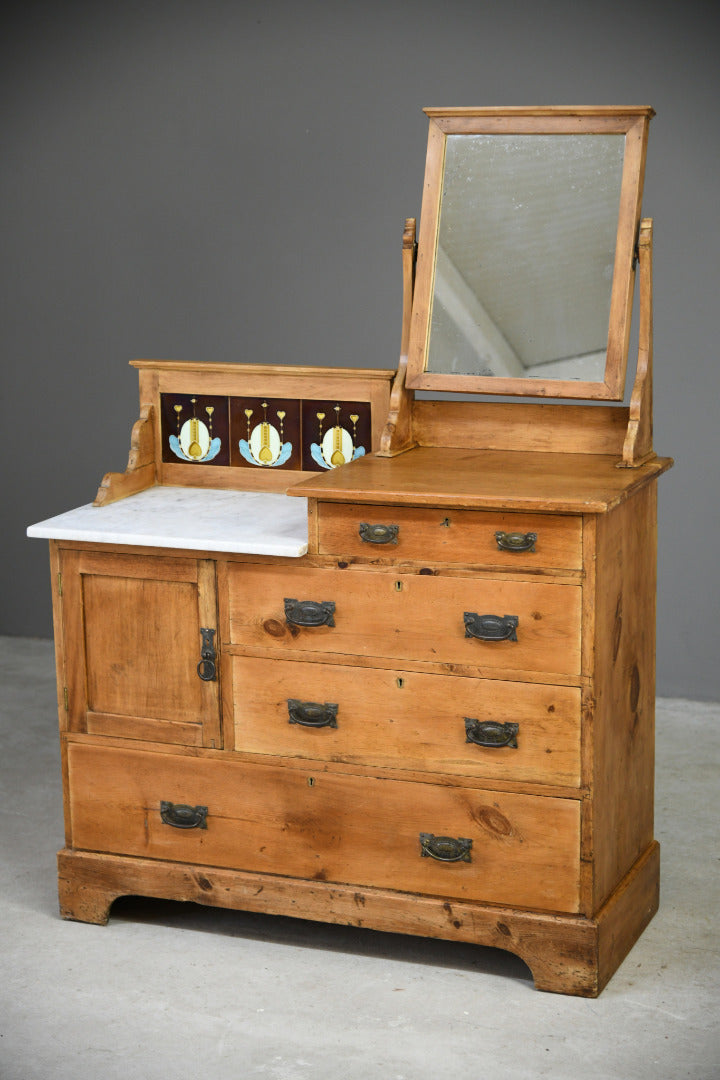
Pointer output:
x,y
265,433
334,432
195,429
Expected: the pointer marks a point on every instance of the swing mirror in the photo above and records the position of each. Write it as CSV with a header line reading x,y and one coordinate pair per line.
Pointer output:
x,y
525,264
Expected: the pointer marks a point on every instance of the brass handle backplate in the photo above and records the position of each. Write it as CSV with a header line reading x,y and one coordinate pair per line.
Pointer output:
x,y
378,534
516,541
181,816
491,733
310,612
445,848
491,627
312,713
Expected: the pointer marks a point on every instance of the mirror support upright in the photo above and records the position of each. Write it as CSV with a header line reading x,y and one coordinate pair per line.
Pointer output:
x,y
638,447
397,436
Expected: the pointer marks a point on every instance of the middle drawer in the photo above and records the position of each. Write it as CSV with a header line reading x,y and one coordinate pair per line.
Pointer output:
x,y
407,720
465,620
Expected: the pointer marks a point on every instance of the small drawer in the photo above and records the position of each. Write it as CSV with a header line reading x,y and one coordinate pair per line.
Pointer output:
x,y
470,537
464,843
431,617
407,720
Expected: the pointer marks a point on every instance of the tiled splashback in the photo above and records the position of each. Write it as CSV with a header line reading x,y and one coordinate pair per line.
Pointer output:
x,y
263,432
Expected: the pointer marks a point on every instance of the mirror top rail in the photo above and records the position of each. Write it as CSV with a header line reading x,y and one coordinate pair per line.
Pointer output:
x,y
507,303
594,118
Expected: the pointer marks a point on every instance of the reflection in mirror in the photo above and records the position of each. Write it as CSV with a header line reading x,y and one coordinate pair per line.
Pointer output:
x,y
525,256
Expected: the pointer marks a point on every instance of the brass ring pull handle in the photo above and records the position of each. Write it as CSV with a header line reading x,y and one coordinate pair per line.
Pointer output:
x,y
378,534
491,733
181,816
445,848
311,713
309,612
491,627
516,541
206,667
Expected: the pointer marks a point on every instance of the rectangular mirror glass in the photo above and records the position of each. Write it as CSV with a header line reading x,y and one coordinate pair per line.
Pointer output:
x,y
525,262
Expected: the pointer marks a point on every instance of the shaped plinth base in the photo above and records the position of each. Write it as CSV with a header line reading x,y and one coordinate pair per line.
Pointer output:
x,y
566,954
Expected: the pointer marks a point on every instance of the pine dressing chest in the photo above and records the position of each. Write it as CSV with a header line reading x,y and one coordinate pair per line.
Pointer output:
x,y
332,649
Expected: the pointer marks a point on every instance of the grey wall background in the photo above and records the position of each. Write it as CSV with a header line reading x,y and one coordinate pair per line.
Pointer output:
x,y
220,180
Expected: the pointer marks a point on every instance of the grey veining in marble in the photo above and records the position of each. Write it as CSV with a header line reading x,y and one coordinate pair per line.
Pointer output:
x,y
198,519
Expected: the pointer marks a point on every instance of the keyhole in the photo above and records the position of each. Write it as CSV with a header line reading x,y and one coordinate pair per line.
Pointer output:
x,y
446,523
399,682
311,781
398,586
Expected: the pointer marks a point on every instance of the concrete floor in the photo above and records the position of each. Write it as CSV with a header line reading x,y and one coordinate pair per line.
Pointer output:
x,y
169,991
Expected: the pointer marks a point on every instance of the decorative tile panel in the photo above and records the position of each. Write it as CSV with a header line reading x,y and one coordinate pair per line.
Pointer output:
x,y
264,432
334,432
195,429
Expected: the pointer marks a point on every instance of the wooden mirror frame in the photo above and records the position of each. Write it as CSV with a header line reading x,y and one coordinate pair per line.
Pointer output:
x,y
633,123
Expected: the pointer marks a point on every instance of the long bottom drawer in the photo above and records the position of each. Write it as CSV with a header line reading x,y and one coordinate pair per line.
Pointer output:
x,y
467,843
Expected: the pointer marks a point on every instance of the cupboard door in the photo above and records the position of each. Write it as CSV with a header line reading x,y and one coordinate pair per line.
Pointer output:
x,y
134,640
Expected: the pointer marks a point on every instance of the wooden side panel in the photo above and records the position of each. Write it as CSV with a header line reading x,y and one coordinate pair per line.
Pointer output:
x,y
624,720
408,720
329,826
408,616
455,536
69,615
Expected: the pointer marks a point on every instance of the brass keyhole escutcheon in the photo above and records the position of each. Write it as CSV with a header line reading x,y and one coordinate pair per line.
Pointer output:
x,y
399,682
311,781
398,586
445,523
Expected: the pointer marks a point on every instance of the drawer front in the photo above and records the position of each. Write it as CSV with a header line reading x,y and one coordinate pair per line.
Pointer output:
x,y
407,616
524,849
407,720
529,541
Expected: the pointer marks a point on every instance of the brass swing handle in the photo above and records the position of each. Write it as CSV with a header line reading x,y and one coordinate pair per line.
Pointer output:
x,y
206,668
378,534
516,541
311,713
491,627
491,733
181,816
309,612
445,848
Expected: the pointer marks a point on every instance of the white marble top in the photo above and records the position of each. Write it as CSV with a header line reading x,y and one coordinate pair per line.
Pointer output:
x,y
200,519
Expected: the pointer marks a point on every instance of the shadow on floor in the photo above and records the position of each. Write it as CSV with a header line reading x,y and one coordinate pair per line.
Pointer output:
x,y
304,934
